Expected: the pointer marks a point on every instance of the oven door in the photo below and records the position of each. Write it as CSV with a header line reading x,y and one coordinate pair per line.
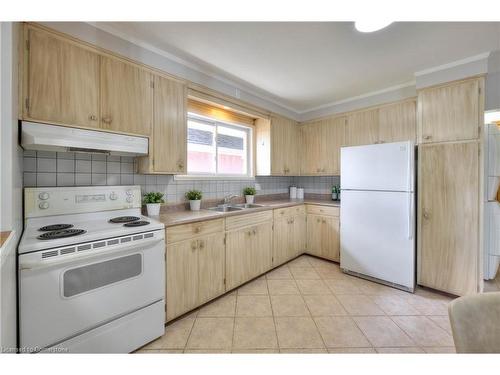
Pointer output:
x,y
62,298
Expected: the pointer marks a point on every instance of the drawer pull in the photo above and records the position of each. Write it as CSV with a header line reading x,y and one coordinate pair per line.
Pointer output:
x,y
194,245
197,230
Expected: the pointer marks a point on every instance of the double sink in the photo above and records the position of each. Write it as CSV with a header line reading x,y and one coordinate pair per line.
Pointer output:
x,y
235,207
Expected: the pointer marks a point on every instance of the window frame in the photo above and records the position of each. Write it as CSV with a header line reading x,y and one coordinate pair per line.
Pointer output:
x,y
222,176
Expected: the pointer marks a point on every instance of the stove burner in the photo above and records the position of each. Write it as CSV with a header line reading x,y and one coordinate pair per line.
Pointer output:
x,y
136,223
50,228
124,219
60,234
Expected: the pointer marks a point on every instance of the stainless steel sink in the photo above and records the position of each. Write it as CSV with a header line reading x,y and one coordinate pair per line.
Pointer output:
x,y
223,208
247,205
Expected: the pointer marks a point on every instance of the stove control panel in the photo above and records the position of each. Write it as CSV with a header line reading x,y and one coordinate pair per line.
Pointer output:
x,y
70,200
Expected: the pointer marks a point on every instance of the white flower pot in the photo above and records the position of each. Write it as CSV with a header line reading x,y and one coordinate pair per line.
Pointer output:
x,y
195,205
249,198
153,209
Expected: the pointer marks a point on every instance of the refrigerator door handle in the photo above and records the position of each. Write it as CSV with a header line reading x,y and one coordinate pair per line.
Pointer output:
x,y
410,171
410,216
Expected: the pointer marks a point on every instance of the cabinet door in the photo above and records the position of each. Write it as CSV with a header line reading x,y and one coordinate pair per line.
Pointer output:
x,y
284,143
63,81
311,148
451,112
182,277
126,97
281,242
211,267
448,217
332,137
299,234
397,122
362,128
330,238
169,127
238,257
261,249
314,233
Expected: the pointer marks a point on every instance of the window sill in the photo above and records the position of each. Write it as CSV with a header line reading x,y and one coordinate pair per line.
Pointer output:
x,y
212,178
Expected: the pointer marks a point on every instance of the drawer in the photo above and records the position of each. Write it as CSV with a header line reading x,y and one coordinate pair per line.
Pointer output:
x,y
289,211
244,220
323,210
187,231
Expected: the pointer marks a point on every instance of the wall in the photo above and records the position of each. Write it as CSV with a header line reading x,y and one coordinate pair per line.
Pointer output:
x,y
10,182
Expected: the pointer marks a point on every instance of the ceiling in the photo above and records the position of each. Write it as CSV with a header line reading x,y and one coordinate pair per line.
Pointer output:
x,y
306,65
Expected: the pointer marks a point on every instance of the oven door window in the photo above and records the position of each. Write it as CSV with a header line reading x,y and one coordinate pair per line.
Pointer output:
x,y
93,276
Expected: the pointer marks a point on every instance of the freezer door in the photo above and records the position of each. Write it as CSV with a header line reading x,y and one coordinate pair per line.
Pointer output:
x,y
377,235
383,167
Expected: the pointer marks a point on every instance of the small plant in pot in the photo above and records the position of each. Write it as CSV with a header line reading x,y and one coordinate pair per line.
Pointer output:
x,y
152,201
194,198
249,193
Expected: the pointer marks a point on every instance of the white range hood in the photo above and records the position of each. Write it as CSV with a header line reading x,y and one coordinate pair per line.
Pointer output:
x,y
45,137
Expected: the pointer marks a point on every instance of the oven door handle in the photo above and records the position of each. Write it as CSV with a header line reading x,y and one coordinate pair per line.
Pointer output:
x,y
70,258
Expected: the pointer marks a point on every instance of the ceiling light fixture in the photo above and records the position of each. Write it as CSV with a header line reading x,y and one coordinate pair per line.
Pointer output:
x,y
369,26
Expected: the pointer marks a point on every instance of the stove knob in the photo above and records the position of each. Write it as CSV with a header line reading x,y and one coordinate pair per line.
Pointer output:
x,y
129,199
43,196
113,196
44,205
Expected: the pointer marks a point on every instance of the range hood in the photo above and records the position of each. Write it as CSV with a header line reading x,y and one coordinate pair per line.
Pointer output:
x,y
45,137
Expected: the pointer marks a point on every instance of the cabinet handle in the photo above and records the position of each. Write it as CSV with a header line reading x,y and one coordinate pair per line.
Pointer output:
x,y
323,221
426,215
180,165
381,141
254,231
427,136
93,117
107,120
194,245
197,230
318,220
202,244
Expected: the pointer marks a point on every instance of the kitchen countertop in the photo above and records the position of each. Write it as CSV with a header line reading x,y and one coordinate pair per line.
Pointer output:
x,y
184,217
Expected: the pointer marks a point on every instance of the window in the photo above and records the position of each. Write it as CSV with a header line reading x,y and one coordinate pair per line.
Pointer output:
x,y
217,148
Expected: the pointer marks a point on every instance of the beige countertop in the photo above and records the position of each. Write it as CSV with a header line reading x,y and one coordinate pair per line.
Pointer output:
x,y
184,217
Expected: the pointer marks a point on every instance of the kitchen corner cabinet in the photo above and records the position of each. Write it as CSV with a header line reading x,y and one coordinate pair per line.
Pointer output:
x,y
448,204
60,81
277,143
168,144
451,112
397,122
362,127
323,232
289,234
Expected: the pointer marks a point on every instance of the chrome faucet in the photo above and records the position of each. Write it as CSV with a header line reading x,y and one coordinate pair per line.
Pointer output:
x,y
227,198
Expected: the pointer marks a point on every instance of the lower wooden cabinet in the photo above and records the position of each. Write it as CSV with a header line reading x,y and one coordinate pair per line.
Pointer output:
x,y
323,236
195,270
248,253
289,238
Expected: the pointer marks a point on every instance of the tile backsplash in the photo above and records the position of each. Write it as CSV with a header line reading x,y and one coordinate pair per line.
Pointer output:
x,y
43,168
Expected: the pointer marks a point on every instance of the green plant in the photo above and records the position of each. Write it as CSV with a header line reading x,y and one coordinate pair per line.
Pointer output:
x,y
249,190
153,197
193,195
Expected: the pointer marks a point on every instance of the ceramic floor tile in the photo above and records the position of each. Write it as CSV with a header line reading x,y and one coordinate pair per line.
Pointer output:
x,y
304,351
256,287
407,350
351,350
207,351
211,333
313,287
340,332
281,273
324,305
298,332
382,331
280,287
342,286
255,351
424,331
440,350
253,306
327,273
318,262
289,305
394,305
356,304
254,333
225,306
159,351
442,321
304,273
175,337
372,289
302,261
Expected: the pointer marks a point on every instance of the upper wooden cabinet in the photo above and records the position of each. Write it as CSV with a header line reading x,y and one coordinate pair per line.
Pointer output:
x,y
450,112
397,122
61,81
168,144
277,144
362,128
126,97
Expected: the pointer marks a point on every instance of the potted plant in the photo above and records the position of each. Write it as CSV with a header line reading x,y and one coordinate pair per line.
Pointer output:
x,y
249,193
336,192
152,201
194,198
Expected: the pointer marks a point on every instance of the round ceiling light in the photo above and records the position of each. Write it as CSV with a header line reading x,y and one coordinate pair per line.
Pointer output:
x,y
369,26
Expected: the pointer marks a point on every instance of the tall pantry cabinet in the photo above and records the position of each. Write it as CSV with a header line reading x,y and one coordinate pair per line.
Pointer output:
x,y
449,120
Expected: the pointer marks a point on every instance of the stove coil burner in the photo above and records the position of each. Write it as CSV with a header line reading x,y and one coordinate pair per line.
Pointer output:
x,y
50,228
124,219
60,234
136,223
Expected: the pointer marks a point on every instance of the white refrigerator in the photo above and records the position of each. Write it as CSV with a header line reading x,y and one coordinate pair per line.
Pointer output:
x,y
377,216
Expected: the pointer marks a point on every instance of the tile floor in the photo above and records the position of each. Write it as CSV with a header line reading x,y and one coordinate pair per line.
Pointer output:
x,y
309,306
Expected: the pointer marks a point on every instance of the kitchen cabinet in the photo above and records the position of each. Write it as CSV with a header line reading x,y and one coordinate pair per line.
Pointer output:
x,y
323,238
277,142
451,112
362,127
168,144
289,234
448,217
397,122
60,82
195,270
248,248
126,97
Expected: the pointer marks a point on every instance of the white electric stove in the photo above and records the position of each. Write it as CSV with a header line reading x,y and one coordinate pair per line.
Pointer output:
x,y
91,271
